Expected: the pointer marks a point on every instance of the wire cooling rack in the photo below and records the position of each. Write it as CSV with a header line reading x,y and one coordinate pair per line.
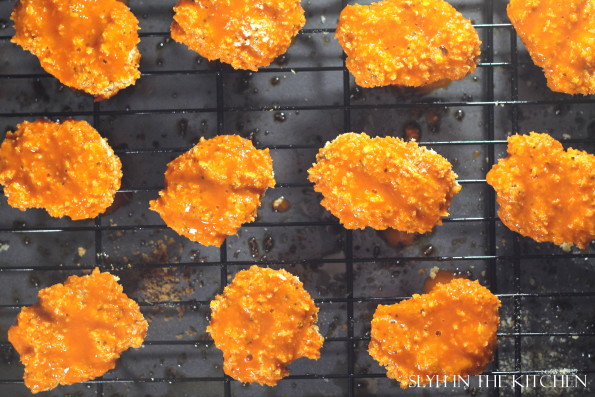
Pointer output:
x,y
292,107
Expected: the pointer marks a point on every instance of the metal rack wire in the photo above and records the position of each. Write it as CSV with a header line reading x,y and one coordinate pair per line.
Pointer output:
x,y
504,268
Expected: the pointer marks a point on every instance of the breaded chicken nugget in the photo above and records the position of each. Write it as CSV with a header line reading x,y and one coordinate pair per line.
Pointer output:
x,y
407,43
447,332
544,192
263,321
89,45
247,34
560,37
76,331
68,169
383,183
214,188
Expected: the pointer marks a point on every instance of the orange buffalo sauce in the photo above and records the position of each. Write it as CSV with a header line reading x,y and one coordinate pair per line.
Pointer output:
x,y
383,183
545,192
215,187
560,36
447,332
89,45
438,277
247,34
65,168
76,331
407,43
262,322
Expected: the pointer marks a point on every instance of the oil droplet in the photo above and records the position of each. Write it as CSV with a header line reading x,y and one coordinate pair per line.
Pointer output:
x,y
460,115
244,82
18,224
356,94
476,153
268,243
396,238
275,81
280,117
282,60
183,127
3,24
429,250
194,255
281,204
376,251
411,131
433,120
253,244
34,281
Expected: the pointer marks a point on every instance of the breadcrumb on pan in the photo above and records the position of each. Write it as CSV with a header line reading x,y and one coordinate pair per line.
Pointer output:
x,y
66,168
560,37
76,331
383,183
214,188
247,34
545,192
407,43
88,45
450,331
263,321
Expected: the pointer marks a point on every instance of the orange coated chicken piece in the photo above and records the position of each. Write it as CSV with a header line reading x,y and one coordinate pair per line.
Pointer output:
x,y
544,192
407,43
263,321
447,332
68,169
76,331
214,188
247,34
89,45
560,37
383,183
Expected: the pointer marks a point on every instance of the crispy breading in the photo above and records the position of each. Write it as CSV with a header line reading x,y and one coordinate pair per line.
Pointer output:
x,y
560,37
214,188
544,192
383,183
247,34
89,45
76,331
66,168
263,321
447,332
407,43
